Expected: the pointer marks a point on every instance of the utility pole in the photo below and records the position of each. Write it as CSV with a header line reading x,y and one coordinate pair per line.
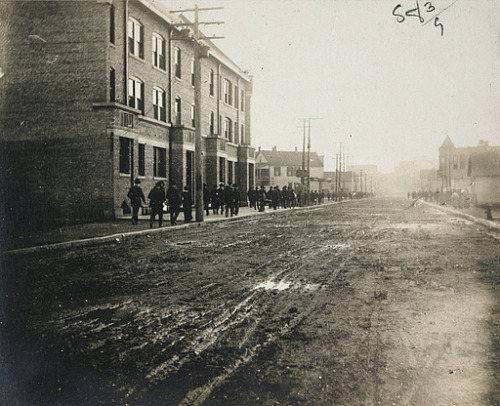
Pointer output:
x,y
308,188
303,156
336,177
340,173
200,51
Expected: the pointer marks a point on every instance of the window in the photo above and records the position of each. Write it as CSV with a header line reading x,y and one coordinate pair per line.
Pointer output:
x,y
142,160
193,122
211,82
277,171
136,94
228,129
159,53
177,62
125,154
160,162
228,92
230,166
192,72
112,85
242,102
222,170
177,110
135,38
455,162
242,135
112,24
212,123
236,98
159,102
236,140
290,171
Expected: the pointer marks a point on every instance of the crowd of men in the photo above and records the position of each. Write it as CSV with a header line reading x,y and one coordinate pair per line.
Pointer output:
x,y
220,200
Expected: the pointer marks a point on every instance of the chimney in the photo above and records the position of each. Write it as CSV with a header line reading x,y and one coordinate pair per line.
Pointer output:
x,y
295,149
274,148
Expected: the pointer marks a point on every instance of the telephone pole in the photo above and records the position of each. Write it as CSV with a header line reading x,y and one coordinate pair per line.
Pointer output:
x,y
308,119
200,51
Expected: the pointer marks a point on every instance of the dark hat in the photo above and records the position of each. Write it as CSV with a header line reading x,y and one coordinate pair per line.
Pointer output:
x,y
137,181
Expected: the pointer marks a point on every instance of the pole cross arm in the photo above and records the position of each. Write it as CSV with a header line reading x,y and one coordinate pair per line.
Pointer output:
x,y
194,9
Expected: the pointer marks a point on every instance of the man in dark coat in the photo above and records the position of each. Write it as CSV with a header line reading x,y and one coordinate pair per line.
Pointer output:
x,y
220,198
236,199
136,197
156,199
229,200
206,199
214,200
262,198
187,204
174,202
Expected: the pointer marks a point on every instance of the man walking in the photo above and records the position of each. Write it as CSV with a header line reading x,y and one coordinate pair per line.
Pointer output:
x,y
174,202
136,197
156,199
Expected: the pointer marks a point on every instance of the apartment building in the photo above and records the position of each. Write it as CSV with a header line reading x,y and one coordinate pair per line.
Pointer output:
x,y
97,93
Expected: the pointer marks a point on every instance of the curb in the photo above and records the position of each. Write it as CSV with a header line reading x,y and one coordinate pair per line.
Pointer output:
x,y
123,236
491,225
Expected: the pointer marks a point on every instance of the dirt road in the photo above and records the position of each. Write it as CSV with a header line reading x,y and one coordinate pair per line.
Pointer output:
x,y
365,303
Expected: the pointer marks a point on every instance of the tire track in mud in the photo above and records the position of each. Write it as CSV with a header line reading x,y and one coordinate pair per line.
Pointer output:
x,y
197,396
208,335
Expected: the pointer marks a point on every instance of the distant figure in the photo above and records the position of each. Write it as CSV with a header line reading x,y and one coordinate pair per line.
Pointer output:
x,y
262,198
206,199
229,200
187,204
174,202
236,199
136,197
156,199
214,200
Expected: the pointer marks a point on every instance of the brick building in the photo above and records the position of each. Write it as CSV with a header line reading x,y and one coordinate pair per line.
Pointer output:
x,y
97,93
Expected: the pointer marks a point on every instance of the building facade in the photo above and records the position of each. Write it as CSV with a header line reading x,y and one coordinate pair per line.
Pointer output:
x,y
96,94
454,163
283,168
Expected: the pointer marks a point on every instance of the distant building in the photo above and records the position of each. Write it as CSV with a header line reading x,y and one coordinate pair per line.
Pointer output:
x,y
484,172
453,164
283,168
429,180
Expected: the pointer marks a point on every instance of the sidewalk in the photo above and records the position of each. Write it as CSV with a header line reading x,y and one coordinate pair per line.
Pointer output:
x,y
118,229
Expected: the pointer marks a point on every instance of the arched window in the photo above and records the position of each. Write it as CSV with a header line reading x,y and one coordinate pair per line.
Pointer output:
x,y
159,103
158,45
135,38
136,94
177,62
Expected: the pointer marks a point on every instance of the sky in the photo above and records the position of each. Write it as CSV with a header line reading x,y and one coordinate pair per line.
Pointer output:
x,y
388,91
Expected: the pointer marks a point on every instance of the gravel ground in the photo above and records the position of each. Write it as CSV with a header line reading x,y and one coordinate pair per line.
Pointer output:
x,y
370,302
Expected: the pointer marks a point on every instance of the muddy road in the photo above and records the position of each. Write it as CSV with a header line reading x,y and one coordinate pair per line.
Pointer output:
x,y
365,303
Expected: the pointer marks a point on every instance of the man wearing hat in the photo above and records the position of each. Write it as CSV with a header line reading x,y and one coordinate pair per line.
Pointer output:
x,y
156,199
136,197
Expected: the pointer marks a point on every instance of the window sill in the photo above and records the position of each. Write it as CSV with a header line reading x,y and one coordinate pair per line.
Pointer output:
x,y
154,121
137,58
106,105
160,69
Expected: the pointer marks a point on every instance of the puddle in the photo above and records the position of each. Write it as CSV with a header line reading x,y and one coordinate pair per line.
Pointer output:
x,y
270,285
337,246
282,285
